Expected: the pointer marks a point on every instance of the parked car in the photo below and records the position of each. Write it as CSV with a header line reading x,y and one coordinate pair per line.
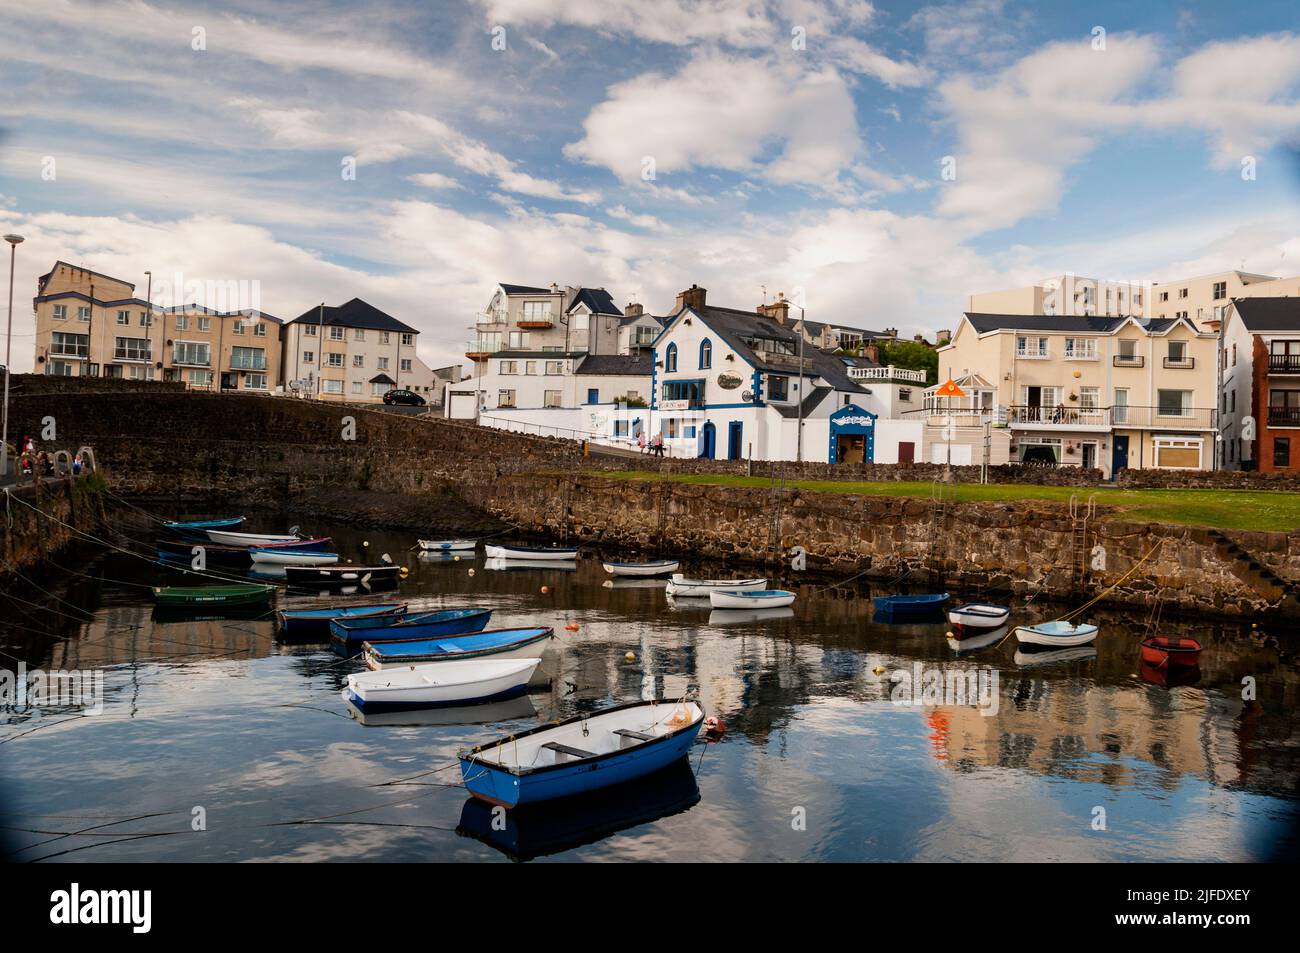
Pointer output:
x,y
409,398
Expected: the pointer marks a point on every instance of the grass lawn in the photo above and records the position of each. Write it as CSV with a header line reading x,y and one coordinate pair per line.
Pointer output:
x,y
1221,509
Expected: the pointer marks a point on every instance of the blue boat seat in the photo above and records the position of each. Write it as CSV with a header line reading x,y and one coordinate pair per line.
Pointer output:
x,y
634,735
570,751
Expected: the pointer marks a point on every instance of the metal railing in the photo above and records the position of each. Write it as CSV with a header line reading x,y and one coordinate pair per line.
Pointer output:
x,y
1284,416
248,364
1125,415
1179,362
1058,416
1128,360
1284,363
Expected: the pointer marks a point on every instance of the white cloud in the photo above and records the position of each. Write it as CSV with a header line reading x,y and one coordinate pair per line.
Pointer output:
x,y
434,180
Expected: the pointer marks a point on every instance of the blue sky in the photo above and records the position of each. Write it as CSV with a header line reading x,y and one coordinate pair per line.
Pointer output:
x,y
795,145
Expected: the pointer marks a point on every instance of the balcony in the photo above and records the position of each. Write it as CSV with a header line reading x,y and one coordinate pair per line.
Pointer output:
x,y
1128,360
1284,363
1081,355
1129,417
132,355
1179,362
248,364
1059,417
1284,416
70,350
481,349
886,374
490,320
1164,418
1033,355
536,323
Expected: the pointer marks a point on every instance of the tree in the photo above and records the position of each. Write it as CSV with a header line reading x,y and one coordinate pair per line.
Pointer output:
x,y
913,355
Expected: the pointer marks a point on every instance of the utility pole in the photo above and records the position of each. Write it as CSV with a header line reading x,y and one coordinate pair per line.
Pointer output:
x,y
148,329
14,241
799,438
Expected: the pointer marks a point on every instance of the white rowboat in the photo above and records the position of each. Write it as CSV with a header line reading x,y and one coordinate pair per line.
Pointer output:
x,y
281,557
750,599
440,683
973,617
447,545
679,585
249,539
1058,634
659,567
530,552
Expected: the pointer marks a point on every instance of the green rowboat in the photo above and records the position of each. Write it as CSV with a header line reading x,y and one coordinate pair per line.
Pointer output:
x,y
184,597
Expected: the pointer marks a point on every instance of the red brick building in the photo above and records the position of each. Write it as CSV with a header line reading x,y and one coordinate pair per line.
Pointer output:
x,y
1260,393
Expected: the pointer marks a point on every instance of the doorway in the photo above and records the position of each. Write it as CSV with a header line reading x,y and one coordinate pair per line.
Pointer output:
x,y
1089,451
850,448
907,452
735,436
709,440
1118,455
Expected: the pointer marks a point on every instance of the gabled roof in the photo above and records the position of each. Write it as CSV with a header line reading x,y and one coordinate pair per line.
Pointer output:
x,y
382,379
623,365
354,314
1268,314
597,300
40,282
524,290
1072,323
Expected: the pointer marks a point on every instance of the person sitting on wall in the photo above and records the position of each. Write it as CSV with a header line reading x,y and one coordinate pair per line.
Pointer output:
x,y
76,465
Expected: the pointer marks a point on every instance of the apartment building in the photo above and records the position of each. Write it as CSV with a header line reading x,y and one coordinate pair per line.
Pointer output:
x,y
1260,398
1203,299
354,353
91,324
1078,390
521,318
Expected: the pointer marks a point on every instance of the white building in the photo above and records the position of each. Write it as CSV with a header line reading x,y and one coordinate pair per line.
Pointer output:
x,y
733,384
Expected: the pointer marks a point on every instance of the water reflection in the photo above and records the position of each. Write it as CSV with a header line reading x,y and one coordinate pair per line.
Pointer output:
x,y
215,711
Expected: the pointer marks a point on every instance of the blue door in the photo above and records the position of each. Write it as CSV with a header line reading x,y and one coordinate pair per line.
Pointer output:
x,y
735,436
709,442
1118,455
593,395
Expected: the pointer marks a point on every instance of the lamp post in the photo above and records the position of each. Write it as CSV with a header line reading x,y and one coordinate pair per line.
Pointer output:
x,y
14,241
799,435
478,376
148,321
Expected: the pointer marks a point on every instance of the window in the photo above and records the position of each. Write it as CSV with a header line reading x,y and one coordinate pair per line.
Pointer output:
x,y
131,349
70,345
383,337
509,367
1164,296
379,390
332,387
519,340
1119,412
1031,347
1128,353
1089,398
554,367
408,340
309,357
254,382
190,352
530,367
404,365
60,312
1282,452
358,360
1182,292
358,334
140,372
356,387
205,324
381,363
645,336
706,354
582,321
1178,355
59,369
199,378
538,311
551,398
1220,290
505,398
333,359
904,395
690,391
1284,408
182,322
670,358
248,358
778,388
124,317
1178,453
309,330
238,327
1080,349
338,334
259,330
620,428
83,314
1174,403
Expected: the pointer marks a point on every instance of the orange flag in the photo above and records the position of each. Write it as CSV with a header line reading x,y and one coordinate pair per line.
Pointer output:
x,y
950,389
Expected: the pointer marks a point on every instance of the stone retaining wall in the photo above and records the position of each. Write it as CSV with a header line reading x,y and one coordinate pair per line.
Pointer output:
x,y
27,538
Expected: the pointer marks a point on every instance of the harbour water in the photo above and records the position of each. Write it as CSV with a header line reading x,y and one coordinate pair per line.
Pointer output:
x,y
215,742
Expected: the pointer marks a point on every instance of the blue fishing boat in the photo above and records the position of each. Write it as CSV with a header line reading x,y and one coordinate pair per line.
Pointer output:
x,y
492,643
582,754
899,608
307,623
198,529
347,633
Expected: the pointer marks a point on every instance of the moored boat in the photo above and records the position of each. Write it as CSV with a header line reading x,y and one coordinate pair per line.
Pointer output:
x,y
198,529
302,623
750,598
184,597
900,608
450,683
584,753
228,538
531,552
284,556
491,643
680,585
315,544
972,618
341,574
656,567
447,545
414,625
1056,634
1163,650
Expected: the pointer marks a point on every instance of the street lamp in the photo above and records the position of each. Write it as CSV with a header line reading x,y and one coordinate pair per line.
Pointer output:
x,y
799,436
14,241
478,377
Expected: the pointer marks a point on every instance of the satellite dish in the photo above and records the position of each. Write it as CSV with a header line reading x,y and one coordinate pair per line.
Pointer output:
x,y
747,395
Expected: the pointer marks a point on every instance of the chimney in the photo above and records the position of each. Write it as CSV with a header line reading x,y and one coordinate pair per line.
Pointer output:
x,y
942,337
871,353
891,332
918,338
633,310
692,297
778,310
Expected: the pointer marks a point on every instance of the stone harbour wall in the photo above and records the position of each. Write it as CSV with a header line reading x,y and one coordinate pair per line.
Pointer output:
x,y
1023,548
28,538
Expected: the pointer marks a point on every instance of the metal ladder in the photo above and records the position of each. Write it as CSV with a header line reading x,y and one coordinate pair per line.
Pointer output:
x,y
943,492
1080,515
775,508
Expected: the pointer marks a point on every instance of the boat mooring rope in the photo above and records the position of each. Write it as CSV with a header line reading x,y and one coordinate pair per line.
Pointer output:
x,y
1113,586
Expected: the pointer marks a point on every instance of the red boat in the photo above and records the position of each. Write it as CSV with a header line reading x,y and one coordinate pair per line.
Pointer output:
x,y
1160,650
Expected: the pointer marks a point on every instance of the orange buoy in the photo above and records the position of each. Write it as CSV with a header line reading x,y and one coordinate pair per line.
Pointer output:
x,y
545,589
572,627
714,727
630,656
